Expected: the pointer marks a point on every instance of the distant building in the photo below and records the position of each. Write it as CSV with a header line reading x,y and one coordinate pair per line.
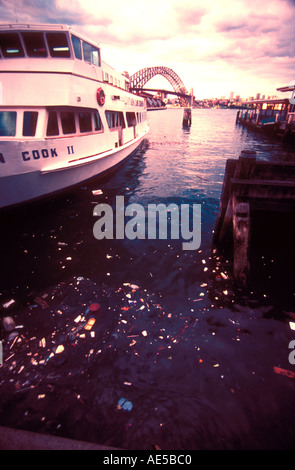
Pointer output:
x,y
231,95
258,96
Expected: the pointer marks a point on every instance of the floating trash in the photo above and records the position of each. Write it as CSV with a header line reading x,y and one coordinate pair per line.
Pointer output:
x,y
9,303
8,324
285,372
95,307
60,348
89,324
124,404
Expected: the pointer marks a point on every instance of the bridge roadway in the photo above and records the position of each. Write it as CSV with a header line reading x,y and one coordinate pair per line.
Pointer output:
x,y
165,92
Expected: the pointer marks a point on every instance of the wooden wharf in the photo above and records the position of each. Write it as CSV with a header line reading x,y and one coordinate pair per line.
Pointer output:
x,y
251,186
275,117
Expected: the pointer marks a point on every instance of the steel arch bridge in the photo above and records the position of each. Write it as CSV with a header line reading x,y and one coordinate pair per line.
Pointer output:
x,y
140,78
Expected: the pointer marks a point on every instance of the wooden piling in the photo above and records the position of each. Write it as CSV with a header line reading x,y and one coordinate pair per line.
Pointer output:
x,y
241,238
187,117
250,186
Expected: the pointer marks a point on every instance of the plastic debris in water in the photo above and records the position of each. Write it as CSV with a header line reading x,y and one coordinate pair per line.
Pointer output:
x,y
42,343
132,286
8,323
7,304
94,307
124,404
287,373
41,302
89,324
97,192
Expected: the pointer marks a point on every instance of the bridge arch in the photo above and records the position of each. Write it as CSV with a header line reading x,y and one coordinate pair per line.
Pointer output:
x,y
140,78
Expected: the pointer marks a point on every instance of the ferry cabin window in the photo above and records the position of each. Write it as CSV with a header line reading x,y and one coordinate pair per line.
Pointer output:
x,y
34,44
97,122
115,119
58,45
10,45
77,47
85,123
7,123
30,123
68,122
52,124
91,54
131,119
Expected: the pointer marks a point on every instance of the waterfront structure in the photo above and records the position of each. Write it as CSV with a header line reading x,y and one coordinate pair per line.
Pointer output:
x,y
273,116
65,115
251,187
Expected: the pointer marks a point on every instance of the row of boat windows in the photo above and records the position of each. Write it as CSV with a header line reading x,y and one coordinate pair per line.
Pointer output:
x,y
39,44
71,122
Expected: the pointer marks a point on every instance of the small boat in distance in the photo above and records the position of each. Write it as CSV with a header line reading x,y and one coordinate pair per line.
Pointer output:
x,y
65,115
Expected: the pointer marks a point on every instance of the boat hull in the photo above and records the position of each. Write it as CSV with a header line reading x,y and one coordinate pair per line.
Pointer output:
x,y
27,187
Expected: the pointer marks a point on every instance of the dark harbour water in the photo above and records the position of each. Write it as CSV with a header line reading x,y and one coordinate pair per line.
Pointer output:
x,y
191,352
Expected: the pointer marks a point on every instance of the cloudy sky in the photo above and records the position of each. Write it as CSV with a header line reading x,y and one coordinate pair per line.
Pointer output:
x,y
215,46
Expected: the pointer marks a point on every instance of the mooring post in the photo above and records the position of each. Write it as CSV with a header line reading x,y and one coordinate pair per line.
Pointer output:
x,y
246,164
187,117
241,236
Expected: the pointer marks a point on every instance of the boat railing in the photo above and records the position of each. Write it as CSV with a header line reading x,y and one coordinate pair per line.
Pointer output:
x,y
262,116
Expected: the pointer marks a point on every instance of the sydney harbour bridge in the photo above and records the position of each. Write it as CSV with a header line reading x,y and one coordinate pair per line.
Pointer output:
x,y
140,78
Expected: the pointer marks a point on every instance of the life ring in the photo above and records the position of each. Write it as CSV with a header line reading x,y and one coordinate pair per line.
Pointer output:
x,y
101,97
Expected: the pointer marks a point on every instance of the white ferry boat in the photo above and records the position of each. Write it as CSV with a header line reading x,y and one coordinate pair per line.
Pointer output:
x,y
65,115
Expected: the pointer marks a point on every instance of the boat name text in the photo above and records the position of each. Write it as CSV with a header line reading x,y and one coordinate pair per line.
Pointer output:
x,y
37,154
